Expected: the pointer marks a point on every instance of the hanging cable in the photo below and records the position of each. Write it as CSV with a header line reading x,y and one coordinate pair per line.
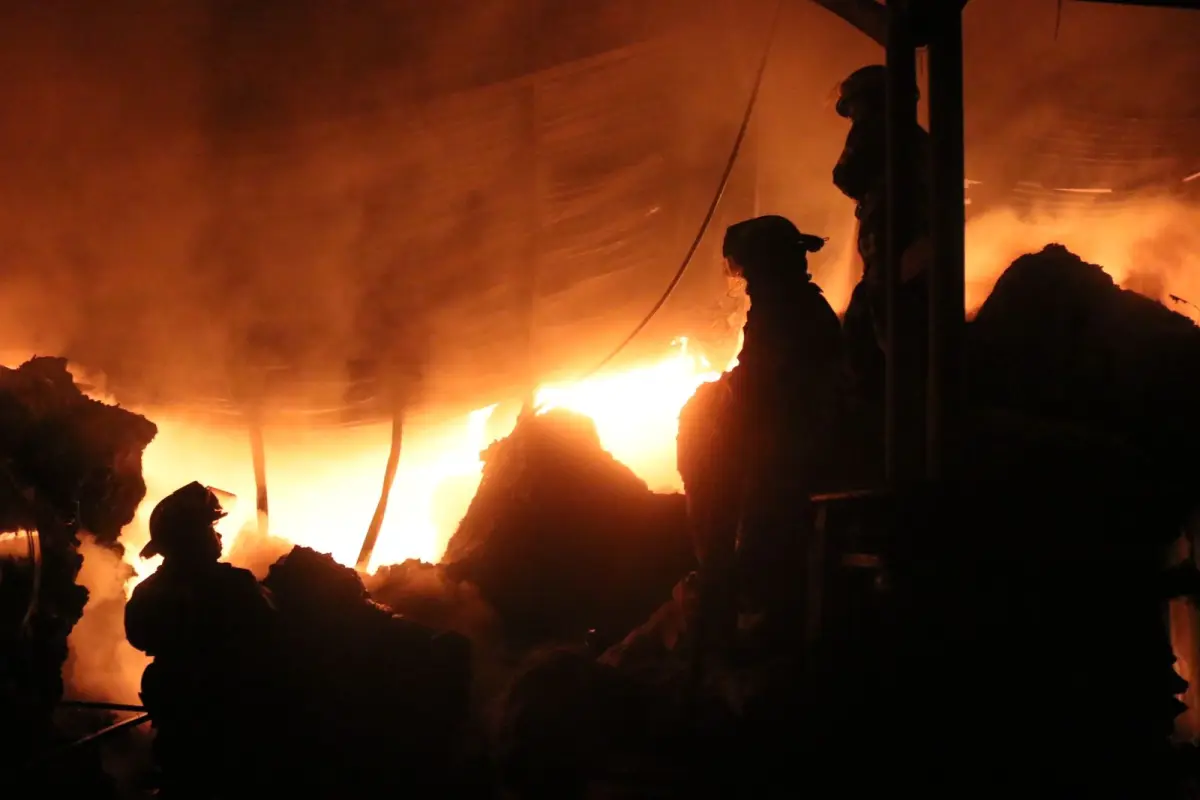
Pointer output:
x,y
712,207
368,547
363,563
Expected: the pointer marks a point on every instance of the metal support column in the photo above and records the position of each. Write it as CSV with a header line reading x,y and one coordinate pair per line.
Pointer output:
x,y
947,288
259,457
901,125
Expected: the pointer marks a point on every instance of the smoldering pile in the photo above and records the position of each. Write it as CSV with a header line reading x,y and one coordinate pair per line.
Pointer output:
x,y
1057,338
68,464
562,544
562,550
561,541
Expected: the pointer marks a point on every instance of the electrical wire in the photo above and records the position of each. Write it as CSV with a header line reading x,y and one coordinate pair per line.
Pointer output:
x,y
712,207
398,416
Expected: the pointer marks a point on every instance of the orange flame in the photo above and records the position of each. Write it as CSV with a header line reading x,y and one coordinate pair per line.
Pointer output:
x,y
324,484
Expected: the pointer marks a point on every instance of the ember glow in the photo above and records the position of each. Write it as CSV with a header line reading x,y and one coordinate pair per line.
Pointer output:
x,y
323,485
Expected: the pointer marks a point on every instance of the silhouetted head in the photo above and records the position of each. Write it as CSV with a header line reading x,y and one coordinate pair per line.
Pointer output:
x,y
765,249
181,525
864,93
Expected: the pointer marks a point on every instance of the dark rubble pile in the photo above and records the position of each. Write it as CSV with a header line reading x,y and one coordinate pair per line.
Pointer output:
x,y
1058,339
1035,573
67,463
561,538
374,695
81,458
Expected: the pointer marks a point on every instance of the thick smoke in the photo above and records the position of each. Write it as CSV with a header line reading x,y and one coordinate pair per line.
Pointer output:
x,y
1149,246
102,665
203,187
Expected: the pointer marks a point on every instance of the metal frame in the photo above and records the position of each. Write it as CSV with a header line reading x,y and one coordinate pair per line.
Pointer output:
x,y
938,26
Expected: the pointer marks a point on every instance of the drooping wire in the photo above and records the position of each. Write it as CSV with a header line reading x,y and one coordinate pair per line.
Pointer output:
x,y
712,207
389,476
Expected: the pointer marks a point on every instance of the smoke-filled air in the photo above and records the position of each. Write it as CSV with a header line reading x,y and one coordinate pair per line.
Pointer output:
x,y
296,223
221,191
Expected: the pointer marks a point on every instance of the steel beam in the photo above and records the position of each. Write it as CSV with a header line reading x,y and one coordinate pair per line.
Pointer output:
x,y
868,16
901,124
947,288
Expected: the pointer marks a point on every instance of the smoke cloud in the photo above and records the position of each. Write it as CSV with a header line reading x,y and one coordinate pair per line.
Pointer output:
x,y
1151,246
207,188
101,664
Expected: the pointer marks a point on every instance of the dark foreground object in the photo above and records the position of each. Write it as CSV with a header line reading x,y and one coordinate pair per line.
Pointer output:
x,y
561,538
68,464
376,696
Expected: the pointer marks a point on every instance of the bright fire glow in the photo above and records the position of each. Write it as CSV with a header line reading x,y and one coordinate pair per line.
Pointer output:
x,y
323,485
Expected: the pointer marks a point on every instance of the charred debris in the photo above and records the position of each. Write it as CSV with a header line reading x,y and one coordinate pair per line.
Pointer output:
x,y
69,465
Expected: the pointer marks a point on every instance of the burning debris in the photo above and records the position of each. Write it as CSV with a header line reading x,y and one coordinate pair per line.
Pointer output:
x,y
68,464
561,538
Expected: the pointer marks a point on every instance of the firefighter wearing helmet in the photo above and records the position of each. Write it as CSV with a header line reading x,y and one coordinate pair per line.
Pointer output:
x,y
760,437
860,174
208,626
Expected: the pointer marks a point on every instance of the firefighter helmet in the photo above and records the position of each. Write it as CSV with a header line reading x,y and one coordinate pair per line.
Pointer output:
x,y
866,86
187,509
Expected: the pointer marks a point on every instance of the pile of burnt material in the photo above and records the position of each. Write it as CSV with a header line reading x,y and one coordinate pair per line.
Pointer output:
x,y
67,464
373,695
1029,589
562,539
1058,339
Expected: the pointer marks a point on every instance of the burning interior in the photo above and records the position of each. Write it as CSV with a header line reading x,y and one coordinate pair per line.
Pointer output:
x,y
299,233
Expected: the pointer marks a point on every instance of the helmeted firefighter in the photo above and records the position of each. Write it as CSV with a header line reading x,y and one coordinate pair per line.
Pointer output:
x,y
753,445
209,628
860,174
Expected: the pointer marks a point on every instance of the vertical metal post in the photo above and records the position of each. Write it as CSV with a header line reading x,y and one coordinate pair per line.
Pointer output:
x,y
259,457
363,563
947,283
901,127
